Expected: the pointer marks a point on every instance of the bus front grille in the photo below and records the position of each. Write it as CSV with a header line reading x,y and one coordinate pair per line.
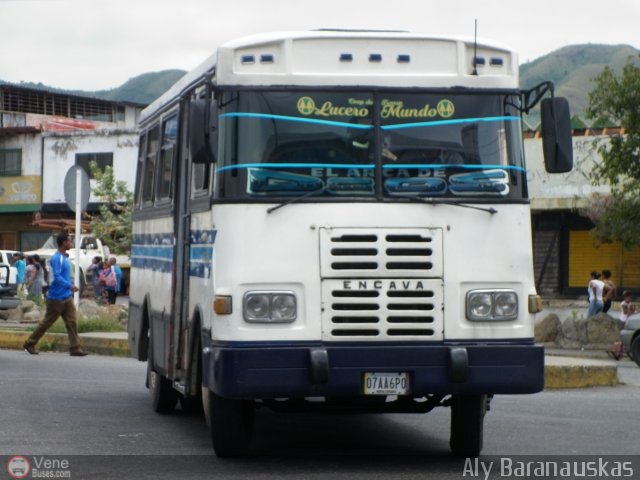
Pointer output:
x,y
382,309
381,253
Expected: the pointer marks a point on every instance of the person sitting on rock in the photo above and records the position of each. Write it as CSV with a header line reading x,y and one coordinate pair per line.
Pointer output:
x,y
626,310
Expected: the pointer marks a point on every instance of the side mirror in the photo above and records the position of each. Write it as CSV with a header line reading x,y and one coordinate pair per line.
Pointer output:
x,y
557,144
203,131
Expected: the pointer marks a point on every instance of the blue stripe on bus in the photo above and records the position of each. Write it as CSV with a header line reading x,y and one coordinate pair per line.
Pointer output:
x,y
434,166
455,121
201,253
397,126
296,119
155,252
348,166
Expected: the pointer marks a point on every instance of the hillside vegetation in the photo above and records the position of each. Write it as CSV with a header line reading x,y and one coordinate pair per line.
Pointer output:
x,y
142,89
573,68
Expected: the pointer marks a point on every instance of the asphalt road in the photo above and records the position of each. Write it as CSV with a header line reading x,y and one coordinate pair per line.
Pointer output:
x,y
94,412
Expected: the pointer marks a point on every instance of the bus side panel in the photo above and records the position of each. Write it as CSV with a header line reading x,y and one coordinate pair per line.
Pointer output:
x,y
137,332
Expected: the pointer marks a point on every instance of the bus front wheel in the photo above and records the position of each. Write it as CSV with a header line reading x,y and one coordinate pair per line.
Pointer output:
x,y
467,424
230,422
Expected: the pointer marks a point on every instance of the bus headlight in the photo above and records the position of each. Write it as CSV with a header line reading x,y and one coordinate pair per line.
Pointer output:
x,y
492,305
269,307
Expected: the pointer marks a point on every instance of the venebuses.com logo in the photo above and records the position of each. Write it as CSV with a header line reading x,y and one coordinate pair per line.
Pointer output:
x,y
18,467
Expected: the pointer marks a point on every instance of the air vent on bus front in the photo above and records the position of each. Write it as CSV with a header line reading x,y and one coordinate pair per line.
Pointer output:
x,y
382,309
385,253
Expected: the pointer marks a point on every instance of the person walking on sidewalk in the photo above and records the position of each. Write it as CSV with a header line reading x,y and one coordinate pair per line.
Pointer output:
x,y
21,267
609,291
596,289
59,301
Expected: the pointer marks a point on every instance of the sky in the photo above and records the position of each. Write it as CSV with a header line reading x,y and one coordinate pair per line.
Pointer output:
x,y
100,44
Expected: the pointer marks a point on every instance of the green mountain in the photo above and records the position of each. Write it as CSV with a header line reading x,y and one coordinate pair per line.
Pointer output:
x,y
573,68
142,89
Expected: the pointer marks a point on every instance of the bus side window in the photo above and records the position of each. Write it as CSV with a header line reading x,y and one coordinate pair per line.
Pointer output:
x,y
167,156
148,174
140,172
201,173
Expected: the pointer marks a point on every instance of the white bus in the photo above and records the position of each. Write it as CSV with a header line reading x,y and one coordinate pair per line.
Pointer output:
x,y
339,220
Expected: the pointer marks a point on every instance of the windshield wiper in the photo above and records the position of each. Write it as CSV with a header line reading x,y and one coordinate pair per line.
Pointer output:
x,y
438,201
295,199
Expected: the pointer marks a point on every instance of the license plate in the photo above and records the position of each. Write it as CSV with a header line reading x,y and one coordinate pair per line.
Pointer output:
x,y
386,383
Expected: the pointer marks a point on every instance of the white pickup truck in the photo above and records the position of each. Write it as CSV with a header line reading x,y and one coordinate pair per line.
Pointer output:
x,y
8,293
6,258
90,247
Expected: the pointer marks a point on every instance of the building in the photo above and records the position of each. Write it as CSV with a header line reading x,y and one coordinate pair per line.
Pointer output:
x,y
42,135
565,252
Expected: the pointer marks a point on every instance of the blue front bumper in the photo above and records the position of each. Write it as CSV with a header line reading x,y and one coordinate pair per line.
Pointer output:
x,y
253,371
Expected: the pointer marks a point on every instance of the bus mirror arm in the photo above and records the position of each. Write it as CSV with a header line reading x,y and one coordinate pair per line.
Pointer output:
x,y
203,131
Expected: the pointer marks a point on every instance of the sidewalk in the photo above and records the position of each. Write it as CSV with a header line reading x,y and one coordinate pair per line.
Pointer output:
x,y
13,335
563,368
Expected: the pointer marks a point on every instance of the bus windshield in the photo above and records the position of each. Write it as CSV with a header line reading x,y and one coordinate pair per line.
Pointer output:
x,y
369,145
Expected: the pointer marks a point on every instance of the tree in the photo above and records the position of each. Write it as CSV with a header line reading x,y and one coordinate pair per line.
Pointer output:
x,y
113,225
617,97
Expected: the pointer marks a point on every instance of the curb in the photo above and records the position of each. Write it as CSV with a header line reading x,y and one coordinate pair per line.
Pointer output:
x,y
559,372
59,342
567,372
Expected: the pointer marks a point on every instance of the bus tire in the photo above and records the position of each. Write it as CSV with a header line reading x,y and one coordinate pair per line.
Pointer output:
x,y
467,424
231,424
163,396
635,350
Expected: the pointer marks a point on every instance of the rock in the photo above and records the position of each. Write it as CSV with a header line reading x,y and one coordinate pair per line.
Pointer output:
x,y
89,308
599,331
27,306
603,329
548,328
120,312
574,333
33,316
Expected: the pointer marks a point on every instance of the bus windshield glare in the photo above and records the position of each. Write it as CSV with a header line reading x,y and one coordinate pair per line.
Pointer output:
x,y
338,144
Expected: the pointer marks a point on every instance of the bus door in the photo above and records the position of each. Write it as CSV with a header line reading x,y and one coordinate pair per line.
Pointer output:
x,y
180,276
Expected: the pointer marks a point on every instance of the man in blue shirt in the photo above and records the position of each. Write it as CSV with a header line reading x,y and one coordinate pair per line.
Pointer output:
x,y
59,301
21,267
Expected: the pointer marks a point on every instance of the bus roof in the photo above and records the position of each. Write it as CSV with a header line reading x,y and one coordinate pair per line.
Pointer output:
x,y
323,58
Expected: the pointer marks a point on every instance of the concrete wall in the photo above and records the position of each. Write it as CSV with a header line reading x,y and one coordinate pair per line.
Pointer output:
x,y
565,191
24,192
60,150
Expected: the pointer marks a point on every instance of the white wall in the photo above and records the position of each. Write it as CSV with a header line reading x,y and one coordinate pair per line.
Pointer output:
x,y
565,190
60,150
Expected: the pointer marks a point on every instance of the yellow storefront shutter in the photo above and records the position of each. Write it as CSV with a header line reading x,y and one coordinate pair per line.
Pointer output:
x,y
584,258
